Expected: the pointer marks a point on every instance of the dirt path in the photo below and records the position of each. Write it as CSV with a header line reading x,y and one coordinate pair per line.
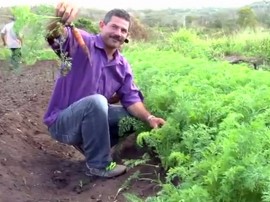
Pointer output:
x,y
34,167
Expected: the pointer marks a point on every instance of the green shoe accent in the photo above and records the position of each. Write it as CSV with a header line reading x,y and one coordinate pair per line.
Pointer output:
x,y
111,166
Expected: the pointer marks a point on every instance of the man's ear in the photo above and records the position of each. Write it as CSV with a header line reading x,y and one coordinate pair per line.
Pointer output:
x,y
101,25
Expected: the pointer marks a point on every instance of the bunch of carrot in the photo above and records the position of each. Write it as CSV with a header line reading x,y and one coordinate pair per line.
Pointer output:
x,y
78,37
57,29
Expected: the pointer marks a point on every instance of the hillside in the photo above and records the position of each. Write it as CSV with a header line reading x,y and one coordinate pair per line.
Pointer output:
x,y
177,17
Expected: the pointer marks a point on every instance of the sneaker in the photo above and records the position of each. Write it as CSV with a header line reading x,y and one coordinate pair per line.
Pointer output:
x,y
114,152
112,170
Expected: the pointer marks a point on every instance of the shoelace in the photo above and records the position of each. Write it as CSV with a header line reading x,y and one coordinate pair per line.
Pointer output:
x,y
111,166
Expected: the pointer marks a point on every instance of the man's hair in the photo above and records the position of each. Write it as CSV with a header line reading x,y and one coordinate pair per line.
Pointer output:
x,y
120,13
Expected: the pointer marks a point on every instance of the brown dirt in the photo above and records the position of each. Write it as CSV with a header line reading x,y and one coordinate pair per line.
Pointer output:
x,y
36,168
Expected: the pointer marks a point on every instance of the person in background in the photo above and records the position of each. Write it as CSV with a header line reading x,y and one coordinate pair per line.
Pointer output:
x,y
79,112
12,41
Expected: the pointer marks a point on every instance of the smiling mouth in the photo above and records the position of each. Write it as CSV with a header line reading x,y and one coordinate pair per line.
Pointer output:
x,y
115,39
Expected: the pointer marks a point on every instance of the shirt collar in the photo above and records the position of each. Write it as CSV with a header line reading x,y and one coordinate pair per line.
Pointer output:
x,y
100,44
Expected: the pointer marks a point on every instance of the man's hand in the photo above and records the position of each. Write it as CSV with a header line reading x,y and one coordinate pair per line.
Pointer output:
x,y
138,110
155,122
3,37
66,11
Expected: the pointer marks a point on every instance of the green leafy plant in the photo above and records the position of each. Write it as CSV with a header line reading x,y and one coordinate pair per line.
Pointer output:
x,y
216,139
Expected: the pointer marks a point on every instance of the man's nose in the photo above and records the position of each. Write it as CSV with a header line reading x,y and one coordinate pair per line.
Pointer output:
x,y
118,32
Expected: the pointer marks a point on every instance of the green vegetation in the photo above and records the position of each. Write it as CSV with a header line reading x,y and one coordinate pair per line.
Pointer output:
x,y
216,140
87,25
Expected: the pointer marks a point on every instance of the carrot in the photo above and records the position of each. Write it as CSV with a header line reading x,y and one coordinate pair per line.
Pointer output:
x,y
78,37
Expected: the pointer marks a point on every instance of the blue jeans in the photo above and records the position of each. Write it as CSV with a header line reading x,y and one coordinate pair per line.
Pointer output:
x,y
92,123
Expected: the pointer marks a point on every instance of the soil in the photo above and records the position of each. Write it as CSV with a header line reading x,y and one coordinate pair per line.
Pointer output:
x,y
36,168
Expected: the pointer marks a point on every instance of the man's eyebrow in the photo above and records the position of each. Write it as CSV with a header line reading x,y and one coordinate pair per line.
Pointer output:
x,y
113,24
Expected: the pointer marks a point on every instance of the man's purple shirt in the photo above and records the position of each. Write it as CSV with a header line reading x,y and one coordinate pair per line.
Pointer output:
x,y
98,77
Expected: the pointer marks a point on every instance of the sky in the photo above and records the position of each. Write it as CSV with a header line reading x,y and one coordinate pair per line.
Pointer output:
x,y
138,4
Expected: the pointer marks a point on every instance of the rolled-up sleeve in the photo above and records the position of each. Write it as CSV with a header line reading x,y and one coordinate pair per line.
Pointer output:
x,y
129,93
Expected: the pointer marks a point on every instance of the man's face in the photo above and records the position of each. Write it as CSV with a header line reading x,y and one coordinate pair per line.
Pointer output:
x,y
114,32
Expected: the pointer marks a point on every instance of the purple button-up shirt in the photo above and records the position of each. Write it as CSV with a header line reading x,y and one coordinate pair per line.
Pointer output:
x,y
99,76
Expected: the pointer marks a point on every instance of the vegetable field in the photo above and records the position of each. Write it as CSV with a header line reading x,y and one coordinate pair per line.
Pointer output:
x,y
216,141
214,146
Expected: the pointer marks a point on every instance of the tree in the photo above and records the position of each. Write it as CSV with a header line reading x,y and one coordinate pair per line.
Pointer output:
x,y
138,31
246,18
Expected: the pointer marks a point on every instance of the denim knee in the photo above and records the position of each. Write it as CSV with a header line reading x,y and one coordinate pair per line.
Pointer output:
x,y
97,102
